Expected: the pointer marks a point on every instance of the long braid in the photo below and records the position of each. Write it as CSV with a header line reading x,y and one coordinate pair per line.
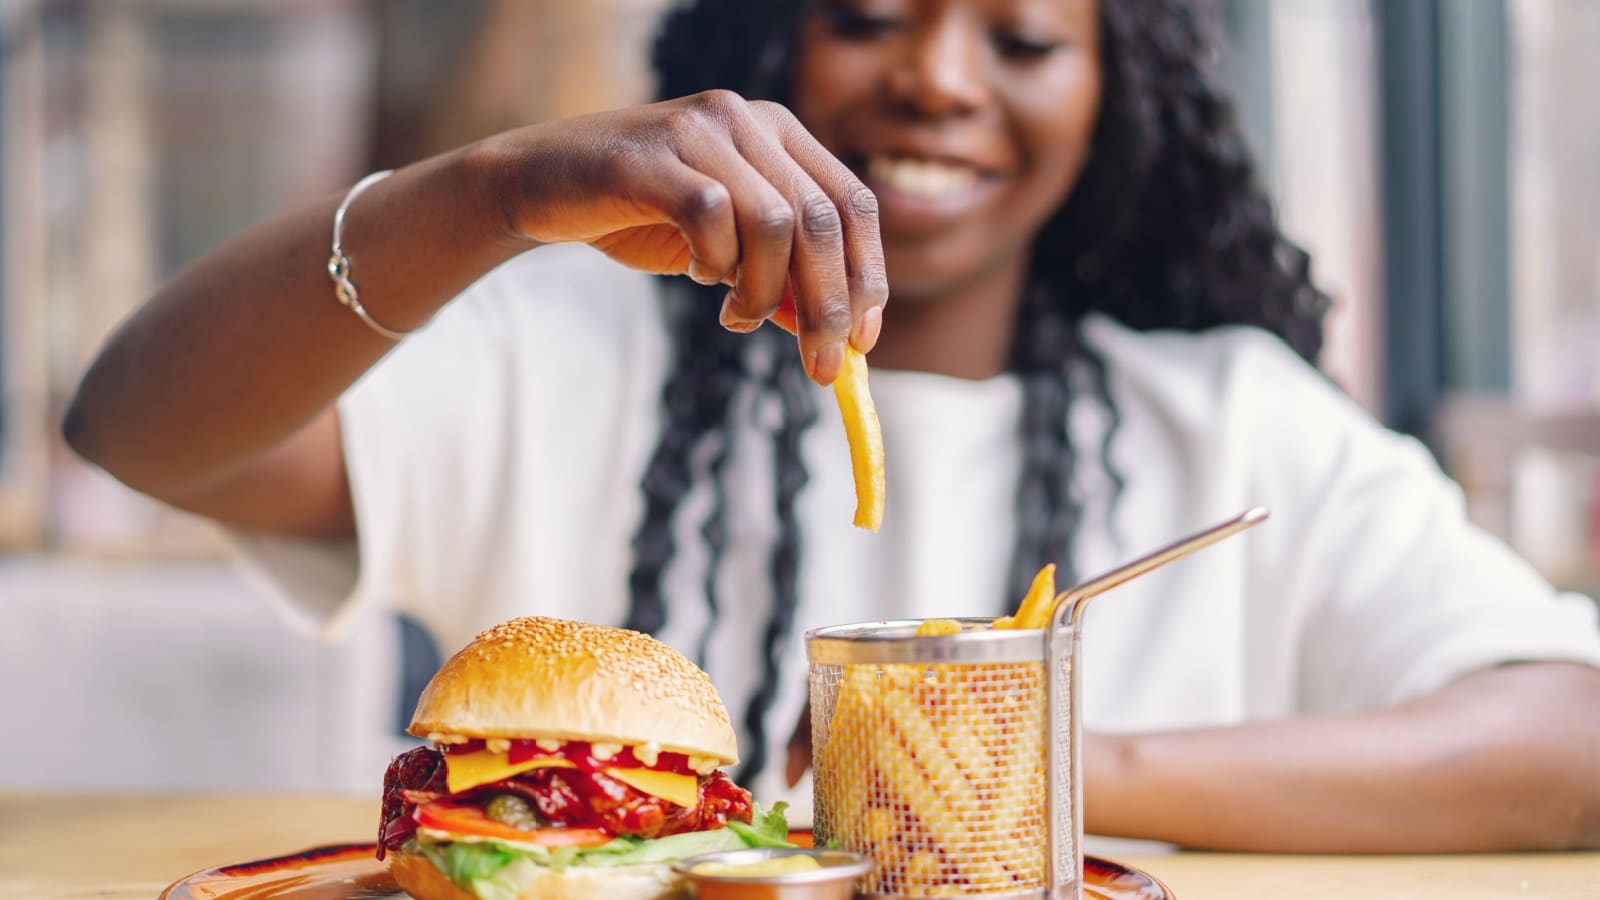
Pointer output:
x,y
787,382
1046,504
707,369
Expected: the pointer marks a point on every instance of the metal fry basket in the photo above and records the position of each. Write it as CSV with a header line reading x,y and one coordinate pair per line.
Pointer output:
x,y
952,760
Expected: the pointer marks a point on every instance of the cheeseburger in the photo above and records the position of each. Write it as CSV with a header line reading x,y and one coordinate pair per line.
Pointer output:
x,y
566,760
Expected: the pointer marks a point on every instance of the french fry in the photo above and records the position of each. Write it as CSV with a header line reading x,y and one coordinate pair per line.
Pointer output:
x,y
1039,603
865,436
938,627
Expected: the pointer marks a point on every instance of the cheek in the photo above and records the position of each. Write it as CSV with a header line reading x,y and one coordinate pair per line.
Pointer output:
x,y
827,77
1055,119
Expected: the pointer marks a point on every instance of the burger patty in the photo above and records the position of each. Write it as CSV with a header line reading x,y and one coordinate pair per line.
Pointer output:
x,y
567,797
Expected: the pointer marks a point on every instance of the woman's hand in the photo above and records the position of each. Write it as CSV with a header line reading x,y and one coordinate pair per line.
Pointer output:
x,y
723,190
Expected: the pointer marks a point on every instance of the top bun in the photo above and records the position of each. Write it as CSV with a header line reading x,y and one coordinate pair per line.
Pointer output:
x,y
551,678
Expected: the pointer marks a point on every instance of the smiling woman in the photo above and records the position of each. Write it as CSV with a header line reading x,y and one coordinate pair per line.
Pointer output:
x,y
969,122
1100,339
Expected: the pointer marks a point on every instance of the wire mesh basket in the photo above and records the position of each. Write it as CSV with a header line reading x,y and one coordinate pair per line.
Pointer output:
x,y
950,760
953,759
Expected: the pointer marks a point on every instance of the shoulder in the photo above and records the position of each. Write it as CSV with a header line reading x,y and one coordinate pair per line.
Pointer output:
x,y
1232,370
1246,400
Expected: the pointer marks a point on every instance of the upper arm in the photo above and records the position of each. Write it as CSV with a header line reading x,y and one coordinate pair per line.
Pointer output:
x,y
1394,591
299,487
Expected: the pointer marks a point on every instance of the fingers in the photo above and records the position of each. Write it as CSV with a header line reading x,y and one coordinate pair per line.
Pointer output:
x,y
698,207
765,226
837,268
775,212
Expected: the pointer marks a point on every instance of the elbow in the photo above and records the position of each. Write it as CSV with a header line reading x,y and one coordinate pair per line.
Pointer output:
x,y
78,431
85,431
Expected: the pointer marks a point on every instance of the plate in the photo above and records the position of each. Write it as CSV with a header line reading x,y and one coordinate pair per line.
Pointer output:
x,y
352,872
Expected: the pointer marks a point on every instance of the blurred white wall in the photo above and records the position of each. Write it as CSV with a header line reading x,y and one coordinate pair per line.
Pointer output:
x,y
128,675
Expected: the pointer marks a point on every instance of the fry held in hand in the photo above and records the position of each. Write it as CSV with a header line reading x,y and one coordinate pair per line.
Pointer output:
x,y
861,427
865,436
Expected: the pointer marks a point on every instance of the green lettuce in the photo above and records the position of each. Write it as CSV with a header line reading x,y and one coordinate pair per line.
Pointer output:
x,y
496,872
766,828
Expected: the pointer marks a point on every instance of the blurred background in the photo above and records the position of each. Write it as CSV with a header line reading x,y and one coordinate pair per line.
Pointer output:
x,y
1439,158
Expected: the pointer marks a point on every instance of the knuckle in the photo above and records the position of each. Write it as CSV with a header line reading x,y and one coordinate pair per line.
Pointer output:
x,y
833,316
706,202
819,218
872,282
718,103
776,220
861,202
773,112
688,120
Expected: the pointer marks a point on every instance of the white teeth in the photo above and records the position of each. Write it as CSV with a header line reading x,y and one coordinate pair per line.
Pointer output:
x,y
921,177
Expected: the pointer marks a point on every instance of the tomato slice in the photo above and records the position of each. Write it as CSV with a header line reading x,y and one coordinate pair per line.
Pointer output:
x,y
471,821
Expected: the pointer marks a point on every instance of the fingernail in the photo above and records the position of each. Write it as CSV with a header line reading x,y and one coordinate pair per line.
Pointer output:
x,y
700,274
827,361
867,328
732,320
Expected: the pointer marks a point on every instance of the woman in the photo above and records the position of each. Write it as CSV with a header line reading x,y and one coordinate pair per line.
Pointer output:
x,y
1099,341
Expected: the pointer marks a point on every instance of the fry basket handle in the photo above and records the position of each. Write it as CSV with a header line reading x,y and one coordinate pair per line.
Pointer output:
x,y
1073,601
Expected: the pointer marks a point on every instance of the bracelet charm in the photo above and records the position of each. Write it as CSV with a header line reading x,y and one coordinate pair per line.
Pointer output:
x,y
339,264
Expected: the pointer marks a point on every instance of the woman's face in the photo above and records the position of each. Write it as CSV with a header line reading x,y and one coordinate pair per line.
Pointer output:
x,y
969,119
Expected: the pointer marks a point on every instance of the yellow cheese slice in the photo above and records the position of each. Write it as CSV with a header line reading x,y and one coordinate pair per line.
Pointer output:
x,y
464,771
683,790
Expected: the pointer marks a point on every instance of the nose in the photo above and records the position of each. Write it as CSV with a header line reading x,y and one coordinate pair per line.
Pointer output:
x,y
941,72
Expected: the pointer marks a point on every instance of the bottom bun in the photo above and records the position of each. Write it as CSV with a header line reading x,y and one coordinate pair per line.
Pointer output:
x,y
423,880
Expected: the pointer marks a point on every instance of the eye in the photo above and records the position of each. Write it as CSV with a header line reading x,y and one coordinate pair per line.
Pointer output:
x,y
852,23
1024,48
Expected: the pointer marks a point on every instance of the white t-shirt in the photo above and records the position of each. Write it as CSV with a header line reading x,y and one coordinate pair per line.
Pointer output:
x,y
495,461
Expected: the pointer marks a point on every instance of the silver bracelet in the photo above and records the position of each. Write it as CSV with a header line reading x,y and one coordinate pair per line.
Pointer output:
x,y
339,264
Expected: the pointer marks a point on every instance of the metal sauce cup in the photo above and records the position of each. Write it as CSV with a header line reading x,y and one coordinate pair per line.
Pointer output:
x,y
834,880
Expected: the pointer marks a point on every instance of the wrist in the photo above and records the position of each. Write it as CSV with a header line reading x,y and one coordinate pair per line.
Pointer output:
x,y
497,171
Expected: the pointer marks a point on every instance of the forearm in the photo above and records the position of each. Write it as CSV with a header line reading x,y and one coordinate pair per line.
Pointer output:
x,y
248,345
1505,759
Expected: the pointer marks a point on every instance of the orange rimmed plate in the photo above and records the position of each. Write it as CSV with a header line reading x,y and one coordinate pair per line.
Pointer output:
x,y
352,872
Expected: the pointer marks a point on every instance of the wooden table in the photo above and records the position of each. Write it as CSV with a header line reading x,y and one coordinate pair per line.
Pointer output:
x,y
54,847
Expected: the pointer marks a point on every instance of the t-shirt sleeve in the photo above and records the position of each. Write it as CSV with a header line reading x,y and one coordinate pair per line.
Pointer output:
x,y
439,438
404,417
1395,591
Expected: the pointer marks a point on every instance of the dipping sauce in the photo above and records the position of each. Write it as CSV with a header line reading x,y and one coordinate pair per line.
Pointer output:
x,y
777,865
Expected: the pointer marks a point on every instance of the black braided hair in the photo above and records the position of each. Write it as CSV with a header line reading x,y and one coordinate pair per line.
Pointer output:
x,y
1166,228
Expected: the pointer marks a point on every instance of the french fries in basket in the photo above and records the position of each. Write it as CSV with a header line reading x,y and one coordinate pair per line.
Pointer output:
x,y
939,769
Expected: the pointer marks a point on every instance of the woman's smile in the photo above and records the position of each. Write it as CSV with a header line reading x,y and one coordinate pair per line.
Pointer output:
x,y
922,194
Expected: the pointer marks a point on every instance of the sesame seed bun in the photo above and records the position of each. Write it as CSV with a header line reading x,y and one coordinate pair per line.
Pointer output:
x,y
422,880
536,677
